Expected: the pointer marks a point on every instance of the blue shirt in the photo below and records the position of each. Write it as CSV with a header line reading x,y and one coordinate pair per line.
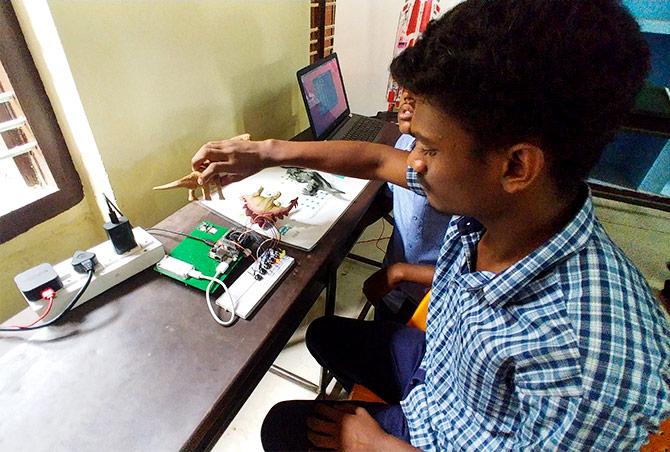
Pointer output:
x,y
565,350
417,233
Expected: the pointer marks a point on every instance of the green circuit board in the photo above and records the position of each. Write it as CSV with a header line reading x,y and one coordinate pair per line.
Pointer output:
x,y
196,253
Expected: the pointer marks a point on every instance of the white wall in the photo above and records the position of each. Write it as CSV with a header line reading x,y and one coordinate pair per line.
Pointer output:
x,y
365,33
364,39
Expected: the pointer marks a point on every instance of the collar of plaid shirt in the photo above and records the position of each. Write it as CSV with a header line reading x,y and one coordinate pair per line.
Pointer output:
x,y
504,286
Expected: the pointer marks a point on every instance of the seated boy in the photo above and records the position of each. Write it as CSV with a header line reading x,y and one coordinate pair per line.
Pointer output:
x,y
418,229
541,334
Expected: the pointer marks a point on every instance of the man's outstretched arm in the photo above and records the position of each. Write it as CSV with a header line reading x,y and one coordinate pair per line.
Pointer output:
x,y
233,160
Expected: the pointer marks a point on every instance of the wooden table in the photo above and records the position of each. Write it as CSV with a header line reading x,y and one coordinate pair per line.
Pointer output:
x,y
144,367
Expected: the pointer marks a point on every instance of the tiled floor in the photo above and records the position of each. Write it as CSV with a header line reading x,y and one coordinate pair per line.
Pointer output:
x,y
243,434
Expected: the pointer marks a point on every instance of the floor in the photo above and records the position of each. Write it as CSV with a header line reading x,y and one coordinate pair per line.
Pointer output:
x,y
244,432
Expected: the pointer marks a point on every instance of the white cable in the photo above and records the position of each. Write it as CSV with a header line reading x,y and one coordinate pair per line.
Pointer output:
x,y
196,274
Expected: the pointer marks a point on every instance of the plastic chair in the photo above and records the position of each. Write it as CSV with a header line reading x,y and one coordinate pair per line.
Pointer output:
x,y
659,442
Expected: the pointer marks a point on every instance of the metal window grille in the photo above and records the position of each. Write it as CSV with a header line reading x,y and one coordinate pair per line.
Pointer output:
x,y
24,172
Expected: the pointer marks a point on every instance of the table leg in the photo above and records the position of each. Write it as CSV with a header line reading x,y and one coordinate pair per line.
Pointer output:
x,y
331,293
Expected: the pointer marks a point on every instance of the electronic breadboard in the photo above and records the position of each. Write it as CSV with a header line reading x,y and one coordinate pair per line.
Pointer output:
x,y
203,256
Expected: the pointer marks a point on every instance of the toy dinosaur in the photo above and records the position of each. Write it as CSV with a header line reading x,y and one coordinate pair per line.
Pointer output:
x,y
263,209
314,181
190,181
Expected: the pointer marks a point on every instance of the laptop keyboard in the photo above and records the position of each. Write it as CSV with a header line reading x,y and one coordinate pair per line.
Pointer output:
x,y
363,130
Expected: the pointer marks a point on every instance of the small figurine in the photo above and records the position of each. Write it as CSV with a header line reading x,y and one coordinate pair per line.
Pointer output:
x,y
263,209
314,181
190,181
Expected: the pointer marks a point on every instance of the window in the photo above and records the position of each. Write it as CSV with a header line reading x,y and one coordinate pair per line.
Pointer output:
x,y
37,178
635,168
322,29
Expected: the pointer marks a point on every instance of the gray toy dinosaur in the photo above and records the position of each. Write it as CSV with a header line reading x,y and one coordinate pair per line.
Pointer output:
x,y
314,181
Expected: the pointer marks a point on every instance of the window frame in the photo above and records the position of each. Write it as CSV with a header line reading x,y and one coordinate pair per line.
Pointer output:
x,y
322,29
20,67
641,123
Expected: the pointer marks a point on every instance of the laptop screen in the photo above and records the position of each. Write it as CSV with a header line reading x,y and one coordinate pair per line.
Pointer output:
x,y
324,96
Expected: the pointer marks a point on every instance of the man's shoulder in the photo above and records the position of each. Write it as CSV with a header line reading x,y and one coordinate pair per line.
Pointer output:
x,y
601,270
622,334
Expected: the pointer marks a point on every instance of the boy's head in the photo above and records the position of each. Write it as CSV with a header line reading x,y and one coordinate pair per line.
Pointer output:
x,y
558,76
406,111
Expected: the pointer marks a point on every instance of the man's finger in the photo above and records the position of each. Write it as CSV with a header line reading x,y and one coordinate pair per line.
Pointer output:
x,y
229,178
334,412
212,169
320,426
243,137
323,441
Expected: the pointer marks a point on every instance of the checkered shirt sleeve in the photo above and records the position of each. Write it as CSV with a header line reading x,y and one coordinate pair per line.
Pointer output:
x,y
413,183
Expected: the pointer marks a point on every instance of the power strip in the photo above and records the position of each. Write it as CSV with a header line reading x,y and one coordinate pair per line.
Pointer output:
x,y
111,269
248,290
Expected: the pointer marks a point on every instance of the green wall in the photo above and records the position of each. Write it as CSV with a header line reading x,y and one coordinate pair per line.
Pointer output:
x,y
157,79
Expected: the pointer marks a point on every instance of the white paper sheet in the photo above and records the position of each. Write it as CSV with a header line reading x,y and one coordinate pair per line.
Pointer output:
x,y
308,222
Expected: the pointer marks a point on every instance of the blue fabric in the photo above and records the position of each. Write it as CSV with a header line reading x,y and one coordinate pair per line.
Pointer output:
x,y
564,350
417,234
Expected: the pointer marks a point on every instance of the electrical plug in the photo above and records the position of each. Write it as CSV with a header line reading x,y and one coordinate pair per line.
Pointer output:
x,y
84,261
222,267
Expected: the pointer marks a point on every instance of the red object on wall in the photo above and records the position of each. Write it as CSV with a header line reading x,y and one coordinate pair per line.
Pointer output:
x,y
410,28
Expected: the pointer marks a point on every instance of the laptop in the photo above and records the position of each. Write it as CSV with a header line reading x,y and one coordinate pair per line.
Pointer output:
x,y
327,107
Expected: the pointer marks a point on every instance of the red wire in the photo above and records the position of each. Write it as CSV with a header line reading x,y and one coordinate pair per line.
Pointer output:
x,y
381,234
44,314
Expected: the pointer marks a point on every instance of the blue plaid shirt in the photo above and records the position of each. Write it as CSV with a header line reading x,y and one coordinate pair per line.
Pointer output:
x,y
564,350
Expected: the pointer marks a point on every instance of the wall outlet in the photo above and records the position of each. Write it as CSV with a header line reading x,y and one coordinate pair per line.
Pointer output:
x,y
111,269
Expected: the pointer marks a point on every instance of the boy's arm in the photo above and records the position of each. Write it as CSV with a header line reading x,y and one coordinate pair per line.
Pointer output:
x,y
233,160
386,279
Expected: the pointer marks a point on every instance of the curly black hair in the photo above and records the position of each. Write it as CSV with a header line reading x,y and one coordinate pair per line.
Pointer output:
x,y
559,73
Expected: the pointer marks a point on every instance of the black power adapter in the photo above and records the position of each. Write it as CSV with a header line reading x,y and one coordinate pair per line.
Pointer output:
x,y
119,230
36,280
84,261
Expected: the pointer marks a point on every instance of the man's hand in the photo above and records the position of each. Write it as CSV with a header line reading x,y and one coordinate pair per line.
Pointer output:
x,y
382,282
346,427
231,160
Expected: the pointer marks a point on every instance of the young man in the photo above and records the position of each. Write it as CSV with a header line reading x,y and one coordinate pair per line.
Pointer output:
x,y
541,334
418,230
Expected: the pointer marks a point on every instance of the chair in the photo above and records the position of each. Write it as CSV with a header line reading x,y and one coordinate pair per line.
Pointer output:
x,y
659,442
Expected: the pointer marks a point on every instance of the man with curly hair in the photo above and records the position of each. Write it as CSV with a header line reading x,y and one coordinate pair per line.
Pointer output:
x,y
541,333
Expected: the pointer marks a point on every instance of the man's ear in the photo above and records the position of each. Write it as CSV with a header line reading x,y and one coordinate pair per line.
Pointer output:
x,y
522,164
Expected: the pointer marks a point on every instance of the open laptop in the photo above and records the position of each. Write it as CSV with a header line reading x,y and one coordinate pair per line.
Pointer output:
x,y
327,106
